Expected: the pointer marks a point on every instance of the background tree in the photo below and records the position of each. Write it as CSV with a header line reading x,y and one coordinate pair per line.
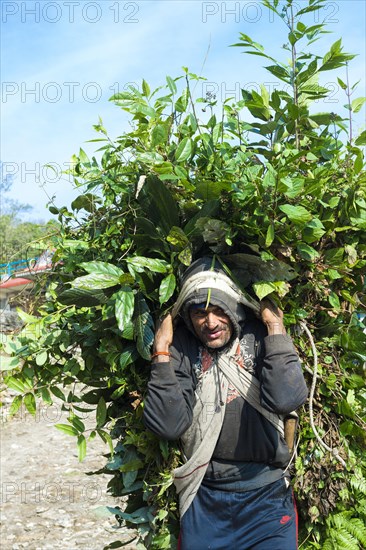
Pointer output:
x,y
23,240
278,193
20,239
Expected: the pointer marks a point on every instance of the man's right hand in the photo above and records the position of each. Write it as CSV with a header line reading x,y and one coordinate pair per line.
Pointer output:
x,y
163,338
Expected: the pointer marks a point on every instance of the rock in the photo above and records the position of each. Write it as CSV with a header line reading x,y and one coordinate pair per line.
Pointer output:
x,y
10,321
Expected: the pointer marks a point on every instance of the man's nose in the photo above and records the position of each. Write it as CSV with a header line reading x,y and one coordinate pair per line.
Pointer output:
x,y
211,320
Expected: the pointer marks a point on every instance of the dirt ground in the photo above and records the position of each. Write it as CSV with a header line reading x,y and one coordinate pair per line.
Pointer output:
x,y
48,502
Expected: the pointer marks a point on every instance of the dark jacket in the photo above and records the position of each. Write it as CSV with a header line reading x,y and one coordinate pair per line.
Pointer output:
x,y
246,436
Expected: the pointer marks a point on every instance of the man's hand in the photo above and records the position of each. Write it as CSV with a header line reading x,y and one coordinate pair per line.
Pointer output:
x,y
163,337
272,317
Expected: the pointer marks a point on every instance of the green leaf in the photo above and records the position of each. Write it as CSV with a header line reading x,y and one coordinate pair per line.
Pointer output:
x,y
8,363
67,429
46,396
310,156
158,204
81,297
84,159
77,423
297,214
102,268
269,179
279,72
293,37
270,235
26,317
30,403
101,413
159,134
171,84
263,289
142,515
209,190
307,252
42,358
150,158
357,104
166,289
181,172
182,103
95,281
177,237
144,327
139,263
295,188
313,231
87,202
128,356
334,257
334,274
57,393
16,403
348,427
342,84
209,210
15,384
358,163
324,119
124,306
131,466
73,245
352,255
128,332
81,443
145,88
118,392
361,140
107,439
184,150
142,108
185,256
334,301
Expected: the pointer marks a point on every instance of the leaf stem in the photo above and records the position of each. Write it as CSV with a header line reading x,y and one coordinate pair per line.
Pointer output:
x,y
348,92
294,78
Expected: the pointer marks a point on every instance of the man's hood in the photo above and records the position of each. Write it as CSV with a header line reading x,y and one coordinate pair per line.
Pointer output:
x,y
205,281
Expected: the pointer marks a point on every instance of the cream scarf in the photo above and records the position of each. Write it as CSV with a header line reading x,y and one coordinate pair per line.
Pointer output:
x,y
199,441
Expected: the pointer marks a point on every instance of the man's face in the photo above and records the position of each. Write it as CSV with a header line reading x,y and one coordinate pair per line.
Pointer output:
x,y
212,326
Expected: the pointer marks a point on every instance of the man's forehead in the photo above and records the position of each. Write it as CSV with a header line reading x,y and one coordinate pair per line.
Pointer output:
x,y
204,306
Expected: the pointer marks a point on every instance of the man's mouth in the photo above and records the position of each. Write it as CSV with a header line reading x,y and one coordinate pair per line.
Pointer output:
x,y
213,335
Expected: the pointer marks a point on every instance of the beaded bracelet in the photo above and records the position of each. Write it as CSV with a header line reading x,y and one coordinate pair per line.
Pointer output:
x,y
160,353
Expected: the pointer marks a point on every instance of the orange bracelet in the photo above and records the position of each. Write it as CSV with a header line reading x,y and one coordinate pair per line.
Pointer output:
x,y
160,353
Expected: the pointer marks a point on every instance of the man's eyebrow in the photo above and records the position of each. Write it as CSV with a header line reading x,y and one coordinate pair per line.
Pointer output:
x,y
206,309
199,310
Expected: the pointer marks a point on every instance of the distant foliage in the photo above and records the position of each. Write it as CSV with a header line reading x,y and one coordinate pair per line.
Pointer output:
x,y
277,191
24,240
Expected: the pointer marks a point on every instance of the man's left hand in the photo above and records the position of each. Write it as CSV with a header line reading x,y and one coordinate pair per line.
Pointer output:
x,y
272,317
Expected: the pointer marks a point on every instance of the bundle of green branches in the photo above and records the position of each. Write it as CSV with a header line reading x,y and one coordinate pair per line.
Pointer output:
x,y
279,196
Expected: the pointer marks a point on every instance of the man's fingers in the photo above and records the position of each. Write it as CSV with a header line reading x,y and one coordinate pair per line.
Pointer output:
x,y
270,311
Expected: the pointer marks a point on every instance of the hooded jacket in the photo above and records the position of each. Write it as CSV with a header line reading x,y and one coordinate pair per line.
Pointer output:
x,y
249,451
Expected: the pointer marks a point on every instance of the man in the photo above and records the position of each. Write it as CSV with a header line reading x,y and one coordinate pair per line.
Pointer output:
x,y
222,381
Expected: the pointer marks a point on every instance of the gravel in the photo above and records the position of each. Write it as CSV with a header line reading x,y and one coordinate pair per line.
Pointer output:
x,y
48,498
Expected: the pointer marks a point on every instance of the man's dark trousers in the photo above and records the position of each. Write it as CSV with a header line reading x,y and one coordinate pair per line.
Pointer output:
x,y
262,519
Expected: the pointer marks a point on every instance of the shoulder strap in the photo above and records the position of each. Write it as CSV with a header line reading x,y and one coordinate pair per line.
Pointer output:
x,y
249,388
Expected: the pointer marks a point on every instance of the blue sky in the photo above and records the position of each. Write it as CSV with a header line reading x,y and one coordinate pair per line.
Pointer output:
x,y
62,60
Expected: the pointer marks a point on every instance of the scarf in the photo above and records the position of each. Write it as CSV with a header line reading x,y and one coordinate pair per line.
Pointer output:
x,y
199,441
